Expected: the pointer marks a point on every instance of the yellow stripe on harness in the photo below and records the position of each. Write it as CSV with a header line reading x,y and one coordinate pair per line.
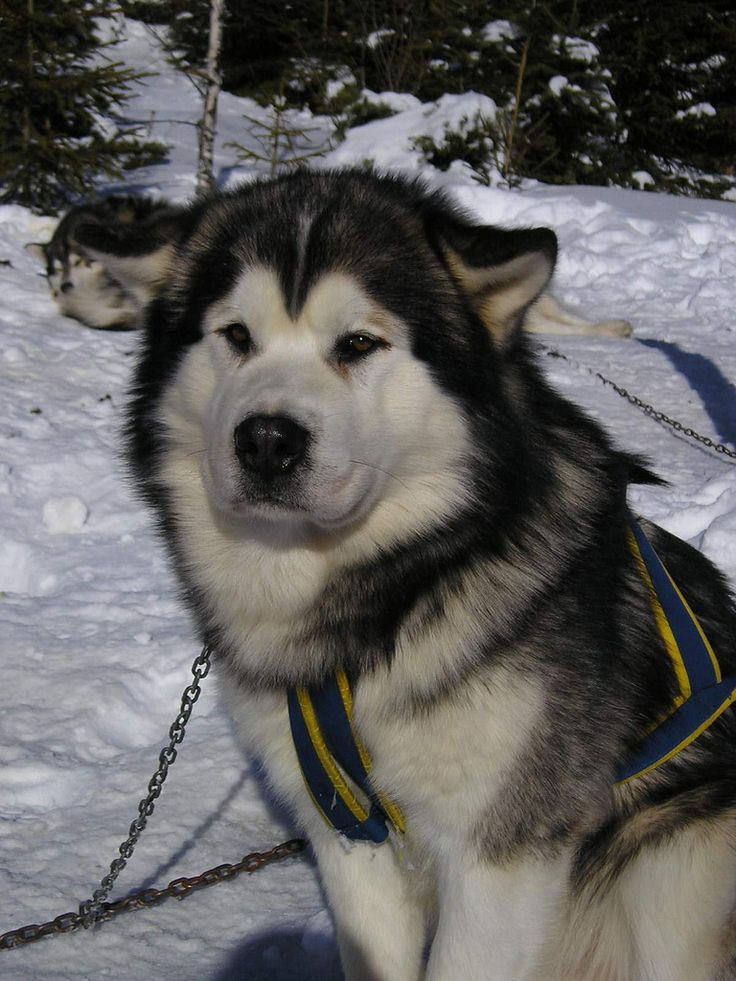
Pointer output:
x,y
393,813
665,631
703,693
691,737
325,757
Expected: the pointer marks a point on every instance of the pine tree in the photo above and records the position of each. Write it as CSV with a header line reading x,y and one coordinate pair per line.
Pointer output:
x,y
613,92
283,141
673,77
57,127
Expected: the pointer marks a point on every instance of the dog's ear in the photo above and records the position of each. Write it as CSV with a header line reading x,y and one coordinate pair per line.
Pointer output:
x,y
140,256
37,250
502,271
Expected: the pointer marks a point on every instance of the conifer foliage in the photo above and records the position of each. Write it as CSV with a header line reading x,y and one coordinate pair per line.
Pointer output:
x,y
58,130
608,92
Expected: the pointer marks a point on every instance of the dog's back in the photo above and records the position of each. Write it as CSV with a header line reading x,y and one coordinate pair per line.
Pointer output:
x,y
84,288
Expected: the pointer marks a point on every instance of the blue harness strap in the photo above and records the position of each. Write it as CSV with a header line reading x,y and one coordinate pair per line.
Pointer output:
x,y
333,761
703,694
328,750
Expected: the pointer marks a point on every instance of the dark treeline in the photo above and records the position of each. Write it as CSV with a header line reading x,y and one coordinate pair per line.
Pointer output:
x,y
611,92
608,88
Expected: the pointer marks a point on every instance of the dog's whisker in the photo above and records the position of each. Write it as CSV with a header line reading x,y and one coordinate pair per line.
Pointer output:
x,y
373,466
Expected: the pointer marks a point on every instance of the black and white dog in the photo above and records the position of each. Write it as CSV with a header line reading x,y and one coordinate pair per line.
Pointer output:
x,y
367,487
84,288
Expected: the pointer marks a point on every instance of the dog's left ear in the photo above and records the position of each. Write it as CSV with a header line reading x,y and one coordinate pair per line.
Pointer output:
x,y
502,271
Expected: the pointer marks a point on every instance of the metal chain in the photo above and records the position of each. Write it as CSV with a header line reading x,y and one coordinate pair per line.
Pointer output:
x,y
96,909
647,409
145,898
90,910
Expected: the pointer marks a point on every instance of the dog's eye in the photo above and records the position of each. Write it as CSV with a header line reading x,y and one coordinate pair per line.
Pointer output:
x,y
357,346
239,336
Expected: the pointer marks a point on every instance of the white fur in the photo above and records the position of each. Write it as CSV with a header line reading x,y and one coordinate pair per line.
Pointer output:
x,y
93,297
445,770
494,920
663,920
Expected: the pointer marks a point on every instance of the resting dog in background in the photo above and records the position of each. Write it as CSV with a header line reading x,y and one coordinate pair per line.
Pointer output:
x,y
84,288
87,290
363,477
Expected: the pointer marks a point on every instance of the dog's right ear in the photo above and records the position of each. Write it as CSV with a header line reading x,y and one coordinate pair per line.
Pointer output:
x,y
139,256
37,250
502,271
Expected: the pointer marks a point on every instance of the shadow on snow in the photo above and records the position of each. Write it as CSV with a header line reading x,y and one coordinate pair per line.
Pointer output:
x,y
716,392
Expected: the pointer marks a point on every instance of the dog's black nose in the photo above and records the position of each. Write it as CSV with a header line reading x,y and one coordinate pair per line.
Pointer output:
x,y
66,286
270,445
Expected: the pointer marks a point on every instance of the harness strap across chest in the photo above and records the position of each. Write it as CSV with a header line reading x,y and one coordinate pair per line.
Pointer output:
x,y
703,694
329,749
333,760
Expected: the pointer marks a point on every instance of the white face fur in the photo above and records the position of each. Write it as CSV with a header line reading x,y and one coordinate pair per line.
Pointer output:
x,y
386,445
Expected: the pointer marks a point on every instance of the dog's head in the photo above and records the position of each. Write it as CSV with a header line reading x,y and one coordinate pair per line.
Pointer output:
x,y
322,349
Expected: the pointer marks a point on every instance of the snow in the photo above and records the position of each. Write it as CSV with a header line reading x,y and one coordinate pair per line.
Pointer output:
x,y
557,83
63,515
700,109
500,30
578,48
388,141
96,644
642,178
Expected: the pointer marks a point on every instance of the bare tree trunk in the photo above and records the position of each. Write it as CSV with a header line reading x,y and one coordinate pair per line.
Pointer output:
x,y
515,115
213,84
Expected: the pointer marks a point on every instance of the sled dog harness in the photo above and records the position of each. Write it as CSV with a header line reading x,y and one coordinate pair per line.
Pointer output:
x,y
328,746
331,756
703,694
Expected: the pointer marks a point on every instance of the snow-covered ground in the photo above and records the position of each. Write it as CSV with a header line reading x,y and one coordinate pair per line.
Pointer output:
x,y
96,647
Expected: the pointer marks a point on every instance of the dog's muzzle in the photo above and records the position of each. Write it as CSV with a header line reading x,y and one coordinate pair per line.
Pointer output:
x,y
270,446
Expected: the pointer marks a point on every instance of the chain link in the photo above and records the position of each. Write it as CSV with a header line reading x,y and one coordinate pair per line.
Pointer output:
x,y
647,409
146,898
97,909
91,909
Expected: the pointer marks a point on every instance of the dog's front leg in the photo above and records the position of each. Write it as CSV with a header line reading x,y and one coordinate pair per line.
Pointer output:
x,y
378,915
494,920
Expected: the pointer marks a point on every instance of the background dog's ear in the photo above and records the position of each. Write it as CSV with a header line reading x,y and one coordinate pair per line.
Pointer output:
x,y
139,256
502,271
36,250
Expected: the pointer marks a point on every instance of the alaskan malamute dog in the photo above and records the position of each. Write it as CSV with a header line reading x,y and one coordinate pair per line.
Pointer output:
x,y
381,512
83,287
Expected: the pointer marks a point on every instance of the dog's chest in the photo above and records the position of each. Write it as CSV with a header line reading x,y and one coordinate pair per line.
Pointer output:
x,y
442,767
446,764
